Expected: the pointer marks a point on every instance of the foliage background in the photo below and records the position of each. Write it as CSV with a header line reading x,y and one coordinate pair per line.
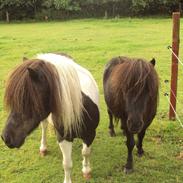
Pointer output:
x,y
64,9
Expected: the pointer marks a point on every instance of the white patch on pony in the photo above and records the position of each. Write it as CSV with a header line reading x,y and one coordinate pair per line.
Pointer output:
x,y
43,146
86,160
66,148
70,96
87,82
73,80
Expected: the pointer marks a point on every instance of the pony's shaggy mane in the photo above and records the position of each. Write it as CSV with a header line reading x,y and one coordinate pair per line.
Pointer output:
x,y
134,77
65,97
22,95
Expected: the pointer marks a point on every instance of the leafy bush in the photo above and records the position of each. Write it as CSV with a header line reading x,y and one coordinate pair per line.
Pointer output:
x,y
19,9
150,7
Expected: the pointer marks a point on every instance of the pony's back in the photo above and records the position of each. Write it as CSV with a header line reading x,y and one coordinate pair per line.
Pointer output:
x,y
87,83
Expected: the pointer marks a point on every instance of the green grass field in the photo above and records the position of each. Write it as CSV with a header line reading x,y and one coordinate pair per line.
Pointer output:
x,y
92,43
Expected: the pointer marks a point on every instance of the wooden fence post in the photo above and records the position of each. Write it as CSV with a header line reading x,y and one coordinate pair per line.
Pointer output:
x,y
174,69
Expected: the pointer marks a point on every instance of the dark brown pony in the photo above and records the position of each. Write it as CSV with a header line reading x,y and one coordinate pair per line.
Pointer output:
x,y
131,95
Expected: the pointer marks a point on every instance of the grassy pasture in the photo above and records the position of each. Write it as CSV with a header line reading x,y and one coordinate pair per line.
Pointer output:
x,y
92,43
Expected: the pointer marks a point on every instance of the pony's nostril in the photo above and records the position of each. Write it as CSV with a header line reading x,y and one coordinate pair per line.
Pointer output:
x,y
6,139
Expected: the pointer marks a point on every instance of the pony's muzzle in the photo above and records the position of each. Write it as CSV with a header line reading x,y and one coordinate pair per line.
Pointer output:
x,y
7,140
135,127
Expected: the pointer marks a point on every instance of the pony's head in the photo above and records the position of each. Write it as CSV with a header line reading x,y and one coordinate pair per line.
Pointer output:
x,y
139,89
30,96
142,91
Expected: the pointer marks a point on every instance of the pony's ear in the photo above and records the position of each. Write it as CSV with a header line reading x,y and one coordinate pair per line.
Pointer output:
x,y
24,59
153,61
33,74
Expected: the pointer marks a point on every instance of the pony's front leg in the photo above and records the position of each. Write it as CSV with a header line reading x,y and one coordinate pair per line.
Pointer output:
x,y
43,146
86,161
130,145
140,150
66,148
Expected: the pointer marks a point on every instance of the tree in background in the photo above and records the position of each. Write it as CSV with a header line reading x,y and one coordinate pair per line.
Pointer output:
x,y
18,9
62,4
23,9
7,6
150,7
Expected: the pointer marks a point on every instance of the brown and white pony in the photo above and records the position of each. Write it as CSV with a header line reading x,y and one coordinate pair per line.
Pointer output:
x,y
53,88
131,95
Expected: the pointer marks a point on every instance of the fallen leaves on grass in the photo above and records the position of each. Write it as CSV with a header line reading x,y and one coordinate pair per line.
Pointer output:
x,y
180,156
157,139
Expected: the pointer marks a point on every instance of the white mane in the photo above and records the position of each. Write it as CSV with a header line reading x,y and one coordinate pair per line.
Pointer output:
x,y
71,97
73,80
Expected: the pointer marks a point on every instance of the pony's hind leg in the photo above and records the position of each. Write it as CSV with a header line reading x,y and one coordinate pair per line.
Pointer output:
x,y
86,161
130,145
66,148
111,125
43,146
140,150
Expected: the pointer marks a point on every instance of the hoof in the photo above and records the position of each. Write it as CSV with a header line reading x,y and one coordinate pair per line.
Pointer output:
x,y
112,133
127,170
43,152
87,176
140,153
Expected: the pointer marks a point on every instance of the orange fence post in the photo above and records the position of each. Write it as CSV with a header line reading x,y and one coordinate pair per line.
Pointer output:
x,y
174,69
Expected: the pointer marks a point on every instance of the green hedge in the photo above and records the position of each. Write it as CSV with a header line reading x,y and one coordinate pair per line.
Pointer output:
x,y
64,9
